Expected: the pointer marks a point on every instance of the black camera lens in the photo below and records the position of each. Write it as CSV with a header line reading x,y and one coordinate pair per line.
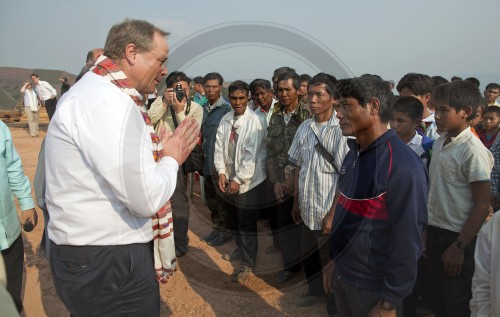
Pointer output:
x,y
179,92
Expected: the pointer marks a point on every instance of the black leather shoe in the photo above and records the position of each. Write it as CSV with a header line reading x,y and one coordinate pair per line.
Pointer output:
x,y
233,256
210,236
220,239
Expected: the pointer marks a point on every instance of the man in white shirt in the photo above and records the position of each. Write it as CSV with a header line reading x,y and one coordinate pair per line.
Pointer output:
x,y
31,107
239,161
107,185
46,93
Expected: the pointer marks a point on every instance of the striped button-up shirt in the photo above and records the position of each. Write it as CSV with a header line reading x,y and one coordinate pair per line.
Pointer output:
x,y
318,178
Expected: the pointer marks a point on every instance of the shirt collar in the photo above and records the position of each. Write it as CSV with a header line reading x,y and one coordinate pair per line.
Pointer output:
x,y
353,143
461,135
417,139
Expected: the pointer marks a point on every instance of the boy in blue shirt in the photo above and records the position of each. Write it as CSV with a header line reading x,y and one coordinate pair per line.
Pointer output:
x,y
406,118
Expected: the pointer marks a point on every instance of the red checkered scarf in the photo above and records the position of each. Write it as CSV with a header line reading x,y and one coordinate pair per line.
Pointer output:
x,y
163,231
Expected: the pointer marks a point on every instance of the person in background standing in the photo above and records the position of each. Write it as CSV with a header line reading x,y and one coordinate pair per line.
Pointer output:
x,y
32,107
46,93
64,85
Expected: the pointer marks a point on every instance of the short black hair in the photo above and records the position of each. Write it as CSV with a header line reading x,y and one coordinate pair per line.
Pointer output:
x,y
305,77
439,80
366,87
459,94
492,109
281,70
454,78
212,76
260,83
409,105
418,84
175,77
492,86
198,80
34,75
328,80
293,76
238,85
473,80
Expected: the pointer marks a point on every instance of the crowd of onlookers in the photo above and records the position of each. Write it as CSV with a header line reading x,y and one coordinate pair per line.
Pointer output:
x,y
380,200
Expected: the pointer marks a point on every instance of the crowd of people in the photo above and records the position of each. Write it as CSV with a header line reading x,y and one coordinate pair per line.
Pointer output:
x,y
385,203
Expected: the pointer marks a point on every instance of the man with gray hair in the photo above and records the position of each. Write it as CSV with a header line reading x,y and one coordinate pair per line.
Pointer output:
x,y
113,175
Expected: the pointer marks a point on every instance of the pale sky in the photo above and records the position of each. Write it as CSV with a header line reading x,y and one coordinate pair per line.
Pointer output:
x,y
384,37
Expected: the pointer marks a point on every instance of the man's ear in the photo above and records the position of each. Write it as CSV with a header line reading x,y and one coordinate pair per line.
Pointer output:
x,y
426,98
374,106
130,53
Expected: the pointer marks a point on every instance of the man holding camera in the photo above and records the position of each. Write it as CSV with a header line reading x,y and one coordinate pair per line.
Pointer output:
x,y
168,112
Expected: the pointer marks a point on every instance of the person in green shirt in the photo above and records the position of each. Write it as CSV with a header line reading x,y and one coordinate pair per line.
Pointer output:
x,y
13,182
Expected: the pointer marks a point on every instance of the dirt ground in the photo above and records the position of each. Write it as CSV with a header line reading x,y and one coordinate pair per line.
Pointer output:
x,y
200,287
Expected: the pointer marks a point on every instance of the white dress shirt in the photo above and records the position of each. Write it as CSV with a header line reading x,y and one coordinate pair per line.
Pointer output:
x,y
103,185
45,90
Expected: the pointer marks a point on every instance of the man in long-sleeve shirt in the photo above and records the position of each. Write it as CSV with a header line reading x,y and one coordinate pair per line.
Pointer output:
x,y
113,174
46,93
382,207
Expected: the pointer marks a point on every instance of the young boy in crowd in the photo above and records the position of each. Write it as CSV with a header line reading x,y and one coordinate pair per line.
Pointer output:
x,y
406,118
489,136
459,198
421,87
474,123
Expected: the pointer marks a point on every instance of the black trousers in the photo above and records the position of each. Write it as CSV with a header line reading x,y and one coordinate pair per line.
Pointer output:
x,y
450,296
14,262
288,236
315,249
180,211
216,203
242,216
50,106
116,280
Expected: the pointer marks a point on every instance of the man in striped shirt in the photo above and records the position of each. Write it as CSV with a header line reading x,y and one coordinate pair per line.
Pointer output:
x,y
317,152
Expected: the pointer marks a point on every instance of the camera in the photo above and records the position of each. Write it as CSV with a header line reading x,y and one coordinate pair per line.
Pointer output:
x,y
179,92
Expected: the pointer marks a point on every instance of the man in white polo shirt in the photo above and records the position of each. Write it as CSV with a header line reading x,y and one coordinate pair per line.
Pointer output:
x,y
113,174
47,94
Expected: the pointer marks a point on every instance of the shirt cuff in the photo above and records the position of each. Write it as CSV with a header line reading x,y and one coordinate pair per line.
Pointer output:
x,y
180,116
221,171
168,160
393,299
26,203
237,180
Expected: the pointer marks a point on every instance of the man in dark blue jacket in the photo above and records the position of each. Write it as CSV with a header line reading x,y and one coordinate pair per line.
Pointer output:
x,y
381,210
213,111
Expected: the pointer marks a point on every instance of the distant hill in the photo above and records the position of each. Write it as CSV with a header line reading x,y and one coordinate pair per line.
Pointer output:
x,y
12,78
